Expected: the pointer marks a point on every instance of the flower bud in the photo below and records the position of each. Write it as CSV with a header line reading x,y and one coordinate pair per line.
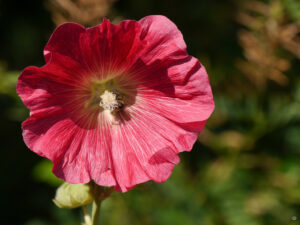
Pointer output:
x,y
73,195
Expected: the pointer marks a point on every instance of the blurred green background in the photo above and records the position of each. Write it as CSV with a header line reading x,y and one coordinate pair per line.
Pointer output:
x,y
245,168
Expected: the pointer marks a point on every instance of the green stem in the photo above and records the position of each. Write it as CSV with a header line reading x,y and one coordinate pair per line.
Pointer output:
x,y
100,194
96,211
98,191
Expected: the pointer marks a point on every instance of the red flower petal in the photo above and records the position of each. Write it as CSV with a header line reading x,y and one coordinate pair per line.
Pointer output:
x,y
104,47
74,150
142,151
162,37
180,93
65,41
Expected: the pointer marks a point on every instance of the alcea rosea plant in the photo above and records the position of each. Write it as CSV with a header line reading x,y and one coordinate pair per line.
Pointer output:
x,y
114,104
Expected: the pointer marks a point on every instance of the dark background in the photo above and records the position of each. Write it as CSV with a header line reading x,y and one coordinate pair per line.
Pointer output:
x,y
245,168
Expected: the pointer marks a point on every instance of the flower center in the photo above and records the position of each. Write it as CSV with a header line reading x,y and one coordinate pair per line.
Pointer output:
x,y
112,101
109,99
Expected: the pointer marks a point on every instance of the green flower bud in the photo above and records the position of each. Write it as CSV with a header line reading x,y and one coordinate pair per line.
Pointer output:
x,y
73,195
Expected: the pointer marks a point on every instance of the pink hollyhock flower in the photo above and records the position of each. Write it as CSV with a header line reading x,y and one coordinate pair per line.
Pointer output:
x,y
115,104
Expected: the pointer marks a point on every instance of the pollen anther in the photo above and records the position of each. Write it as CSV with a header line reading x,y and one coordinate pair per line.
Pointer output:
x,y
112,101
